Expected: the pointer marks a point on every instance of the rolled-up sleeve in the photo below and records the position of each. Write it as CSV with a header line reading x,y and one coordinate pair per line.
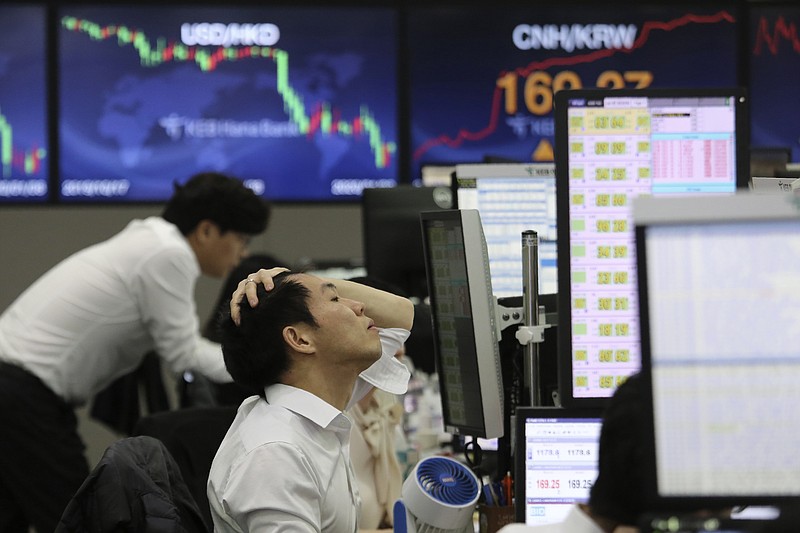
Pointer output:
x,y
387,373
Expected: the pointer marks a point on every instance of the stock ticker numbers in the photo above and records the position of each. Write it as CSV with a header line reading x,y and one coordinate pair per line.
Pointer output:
x,y
539,86
560,461
554,484
610,153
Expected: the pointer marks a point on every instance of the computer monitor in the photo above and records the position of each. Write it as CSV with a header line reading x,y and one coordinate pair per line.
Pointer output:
x,y
513,198
466,336
556,458
719,289
611,147
392,241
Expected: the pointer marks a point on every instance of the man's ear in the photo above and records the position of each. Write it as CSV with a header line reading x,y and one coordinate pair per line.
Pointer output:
x,y
205,229
202,234
299,339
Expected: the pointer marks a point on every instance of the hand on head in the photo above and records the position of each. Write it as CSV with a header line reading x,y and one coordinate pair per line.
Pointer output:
x,y
247,288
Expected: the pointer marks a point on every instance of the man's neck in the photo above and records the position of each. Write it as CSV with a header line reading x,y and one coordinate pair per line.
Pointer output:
x,y
334,388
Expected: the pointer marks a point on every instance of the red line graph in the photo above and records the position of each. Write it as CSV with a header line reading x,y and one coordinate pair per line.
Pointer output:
x,y
641,40
772,38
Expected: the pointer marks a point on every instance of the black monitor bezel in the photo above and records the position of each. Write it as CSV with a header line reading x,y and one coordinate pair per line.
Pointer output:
x,y
405,270
562,203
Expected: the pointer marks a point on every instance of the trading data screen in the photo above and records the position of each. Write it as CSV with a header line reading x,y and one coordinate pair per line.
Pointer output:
x,y
560,466
512,199
723,301
458,361
620,147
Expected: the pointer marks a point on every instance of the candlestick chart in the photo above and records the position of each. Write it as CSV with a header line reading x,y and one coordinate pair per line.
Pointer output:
x,y
24,154
309,117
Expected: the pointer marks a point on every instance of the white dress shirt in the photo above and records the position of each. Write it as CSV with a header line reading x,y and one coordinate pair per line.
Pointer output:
x,y
284,465
93,317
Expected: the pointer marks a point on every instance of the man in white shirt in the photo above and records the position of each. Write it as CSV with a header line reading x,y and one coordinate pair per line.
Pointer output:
x,y
92,318
312,347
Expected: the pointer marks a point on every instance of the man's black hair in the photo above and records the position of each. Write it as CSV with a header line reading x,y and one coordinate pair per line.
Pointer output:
x,y
221,309
255,352
222,199
619,491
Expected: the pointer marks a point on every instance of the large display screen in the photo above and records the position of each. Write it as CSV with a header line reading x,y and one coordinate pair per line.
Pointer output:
x,y
300,103
614,146
722,432
775,77
488,90
24,155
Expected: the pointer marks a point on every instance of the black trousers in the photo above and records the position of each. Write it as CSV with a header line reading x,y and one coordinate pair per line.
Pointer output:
x,y
42,461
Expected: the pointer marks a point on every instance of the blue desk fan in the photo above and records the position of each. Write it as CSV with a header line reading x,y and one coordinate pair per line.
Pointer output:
x,y
439,496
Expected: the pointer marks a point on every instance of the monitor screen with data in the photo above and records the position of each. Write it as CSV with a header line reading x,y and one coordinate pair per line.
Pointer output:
x,y
513,198
556,460
612,147
465,333
720,295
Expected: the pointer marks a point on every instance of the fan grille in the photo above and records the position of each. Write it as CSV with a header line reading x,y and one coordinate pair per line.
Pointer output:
x,y
447,481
